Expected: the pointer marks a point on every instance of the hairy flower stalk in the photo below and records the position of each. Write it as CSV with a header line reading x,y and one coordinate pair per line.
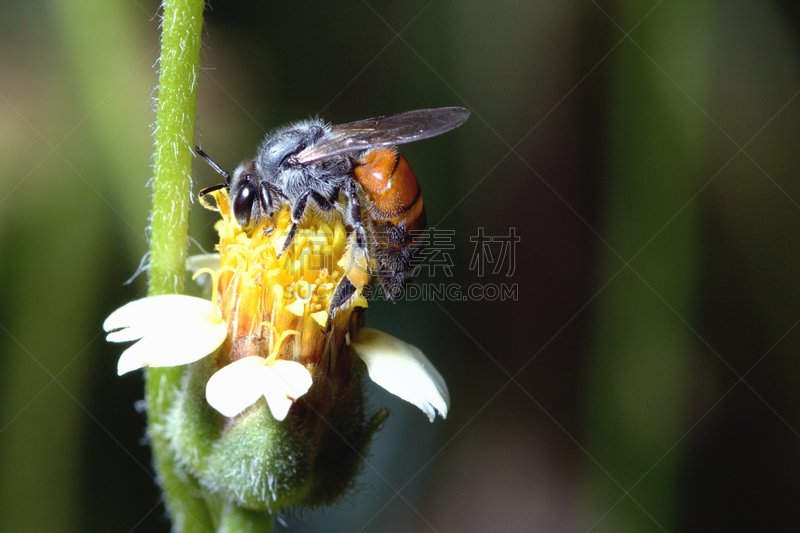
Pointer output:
x,y
179,67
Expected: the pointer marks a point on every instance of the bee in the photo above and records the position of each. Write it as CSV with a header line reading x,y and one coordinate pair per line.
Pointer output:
x,y
348,168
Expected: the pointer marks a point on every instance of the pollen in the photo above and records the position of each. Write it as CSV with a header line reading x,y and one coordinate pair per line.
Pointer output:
x,y
279,307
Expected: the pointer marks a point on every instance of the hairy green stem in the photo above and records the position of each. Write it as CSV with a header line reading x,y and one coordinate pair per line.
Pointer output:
x,y
177,96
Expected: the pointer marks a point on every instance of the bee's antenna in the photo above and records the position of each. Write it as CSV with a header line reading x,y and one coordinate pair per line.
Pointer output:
x,y
213,164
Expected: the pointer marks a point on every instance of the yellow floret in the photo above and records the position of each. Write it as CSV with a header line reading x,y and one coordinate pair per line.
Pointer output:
x,y
263,298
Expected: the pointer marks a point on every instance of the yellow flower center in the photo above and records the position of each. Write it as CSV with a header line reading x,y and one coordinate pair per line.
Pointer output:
x,y
279,307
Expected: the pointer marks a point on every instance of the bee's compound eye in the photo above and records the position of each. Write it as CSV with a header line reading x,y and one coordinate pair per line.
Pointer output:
x,y
243,203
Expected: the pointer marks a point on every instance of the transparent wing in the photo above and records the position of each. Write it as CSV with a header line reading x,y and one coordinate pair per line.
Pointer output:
x,y
384,131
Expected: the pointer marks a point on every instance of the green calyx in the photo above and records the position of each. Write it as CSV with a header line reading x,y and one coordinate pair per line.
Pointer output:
x,y
257,463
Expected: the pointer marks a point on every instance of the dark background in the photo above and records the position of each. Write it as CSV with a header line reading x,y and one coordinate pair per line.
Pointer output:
x,y
643,379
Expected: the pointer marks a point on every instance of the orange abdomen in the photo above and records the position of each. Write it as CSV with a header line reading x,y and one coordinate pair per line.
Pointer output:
x,y
394,200
392,188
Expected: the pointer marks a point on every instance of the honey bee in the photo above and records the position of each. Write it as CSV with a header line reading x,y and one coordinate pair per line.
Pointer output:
x,y
348,168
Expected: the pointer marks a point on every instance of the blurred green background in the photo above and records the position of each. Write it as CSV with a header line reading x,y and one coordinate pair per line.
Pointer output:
x,y
645,153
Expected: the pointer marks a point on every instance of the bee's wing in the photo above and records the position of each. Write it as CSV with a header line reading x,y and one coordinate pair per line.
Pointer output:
x,y
384,131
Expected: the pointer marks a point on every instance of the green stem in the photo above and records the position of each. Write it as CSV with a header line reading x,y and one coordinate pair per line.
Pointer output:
x,y
177,97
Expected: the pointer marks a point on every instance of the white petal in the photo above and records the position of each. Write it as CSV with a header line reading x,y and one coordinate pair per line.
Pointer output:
x,y
288,382
235,387
239,385
141,316
173,347
174,330
403,370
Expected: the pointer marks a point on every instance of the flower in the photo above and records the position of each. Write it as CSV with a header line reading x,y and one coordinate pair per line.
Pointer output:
x,y
269,322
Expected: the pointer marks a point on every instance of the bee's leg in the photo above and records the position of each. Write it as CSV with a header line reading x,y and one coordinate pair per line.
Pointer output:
x,y
344,291
354,216
212,189
398,254
299,209
358,244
